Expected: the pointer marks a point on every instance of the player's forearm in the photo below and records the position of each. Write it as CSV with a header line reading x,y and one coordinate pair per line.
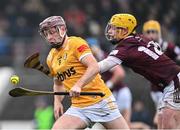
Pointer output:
x,y
108,63
58,88
93,68
89,75
58,99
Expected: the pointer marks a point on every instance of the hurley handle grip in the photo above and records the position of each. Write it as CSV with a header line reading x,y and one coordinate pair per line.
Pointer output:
x,y
82,93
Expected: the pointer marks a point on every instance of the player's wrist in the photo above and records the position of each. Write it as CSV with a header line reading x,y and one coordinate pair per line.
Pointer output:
x,y
58,99
56,103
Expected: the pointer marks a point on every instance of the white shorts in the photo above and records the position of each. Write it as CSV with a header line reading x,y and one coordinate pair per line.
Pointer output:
x,y
103,111
167,98
123,98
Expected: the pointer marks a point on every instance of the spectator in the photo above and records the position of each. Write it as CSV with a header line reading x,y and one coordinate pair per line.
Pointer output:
x,y
43,115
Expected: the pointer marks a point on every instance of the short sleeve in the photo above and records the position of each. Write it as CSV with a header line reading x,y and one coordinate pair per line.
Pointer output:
x,y
81,48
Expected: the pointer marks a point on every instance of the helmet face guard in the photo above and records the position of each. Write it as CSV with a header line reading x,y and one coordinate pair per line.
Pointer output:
x,y
53,25
120,26
59,38
114,34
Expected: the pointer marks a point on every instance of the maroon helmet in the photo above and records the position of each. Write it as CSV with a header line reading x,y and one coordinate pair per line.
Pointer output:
x,y
53,21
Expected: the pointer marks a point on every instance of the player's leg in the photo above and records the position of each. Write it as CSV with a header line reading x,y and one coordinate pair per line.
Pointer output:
x,y
72,119
156,97
169,120
69,122
107,113
159,120
170,109
177,118
118,123
155,119
126,113
124,100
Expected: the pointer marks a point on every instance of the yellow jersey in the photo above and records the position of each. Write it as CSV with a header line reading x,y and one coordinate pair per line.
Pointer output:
x,y
65,64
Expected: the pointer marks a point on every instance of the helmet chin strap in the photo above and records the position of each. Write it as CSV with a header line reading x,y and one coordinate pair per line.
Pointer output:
x,y
114,42
59,44
56,45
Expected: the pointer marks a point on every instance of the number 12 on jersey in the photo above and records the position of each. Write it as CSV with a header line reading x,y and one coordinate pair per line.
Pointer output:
x,y
153,54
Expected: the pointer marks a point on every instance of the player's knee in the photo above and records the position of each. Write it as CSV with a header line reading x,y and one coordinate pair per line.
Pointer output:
x,y
55,126
59,126
118,123
168,113
168,119
168,124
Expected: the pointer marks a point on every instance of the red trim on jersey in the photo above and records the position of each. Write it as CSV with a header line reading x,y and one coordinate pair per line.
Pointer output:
x,y
82,48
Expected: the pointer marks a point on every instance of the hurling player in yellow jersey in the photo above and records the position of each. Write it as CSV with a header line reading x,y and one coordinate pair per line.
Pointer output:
x,y
69,60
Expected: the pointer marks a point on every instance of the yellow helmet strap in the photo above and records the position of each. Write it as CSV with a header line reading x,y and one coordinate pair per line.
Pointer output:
x,y
115,34
122,32
111,33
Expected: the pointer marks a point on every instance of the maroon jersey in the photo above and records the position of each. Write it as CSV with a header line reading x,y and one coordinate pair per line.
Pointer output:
x,y
144,57
171,51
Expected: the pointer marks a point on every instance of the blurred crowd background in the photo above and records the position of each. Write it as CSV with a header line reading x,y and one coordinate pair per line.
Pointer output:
x,y
19,37
19,20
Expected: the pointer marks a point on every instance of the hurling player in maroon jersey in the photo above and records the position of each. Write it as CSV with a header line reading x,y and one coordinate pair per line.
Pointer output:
x,y
114,80
144,57
152,30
